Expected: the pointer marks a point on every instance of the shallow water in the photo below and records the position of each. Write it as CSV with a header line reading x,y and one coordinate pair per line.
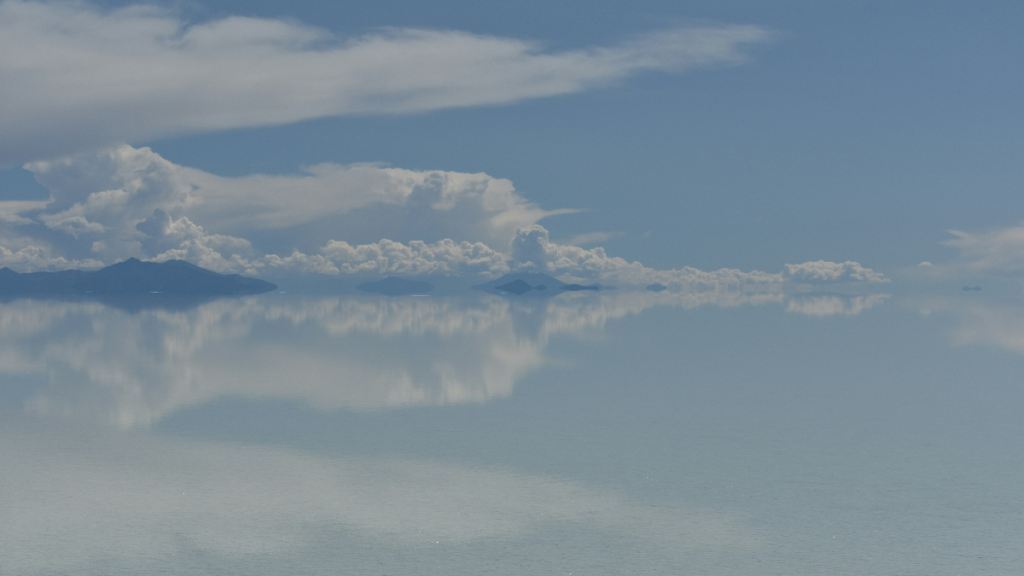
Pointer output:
x,y
602,433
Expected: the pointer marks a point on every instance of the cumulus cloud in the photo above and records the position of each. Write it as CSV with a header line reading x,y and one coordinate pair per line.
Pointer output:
x,y
822,272
388,257
130,202
39,258
74,76
532,249
126,202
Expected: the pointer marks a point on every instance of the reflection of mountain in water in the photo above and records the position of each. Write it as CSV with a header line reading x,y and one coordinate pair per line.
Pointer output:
x,y
523,283
131,278
394,286
362,353
580,287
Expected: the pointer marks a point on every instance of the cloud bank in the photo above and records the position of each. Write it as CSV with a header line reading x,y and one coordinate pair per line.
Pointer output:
x,y
124,202
75,77
76,80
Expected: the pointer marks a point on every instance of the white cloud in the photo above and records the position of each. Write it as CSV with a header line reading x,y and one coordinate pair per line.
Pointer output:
x,y
444,257
1000,250
75,77
822,272
39,258
180,239
8,218
593,238
125,202
365,219
532,250
73,225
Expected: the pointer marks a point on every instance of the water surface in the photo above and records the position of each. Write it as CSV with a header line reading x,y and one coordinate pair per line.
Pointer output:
x,y
604,433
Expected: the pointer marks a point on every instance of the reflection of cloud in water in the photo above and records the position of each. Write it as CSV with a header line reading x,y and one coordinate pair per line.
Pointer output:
x,y
359,353
164,503
831,305
994,326
330,353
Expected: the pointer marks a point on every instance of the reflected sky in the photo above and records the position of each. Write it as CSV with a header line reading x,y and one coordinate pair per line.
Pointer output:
x,y
718,433
132,367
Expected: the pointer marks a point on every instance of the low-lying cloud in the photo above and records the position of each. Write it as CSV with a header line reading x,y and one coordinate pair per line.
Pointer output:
x,y
332,219
130,202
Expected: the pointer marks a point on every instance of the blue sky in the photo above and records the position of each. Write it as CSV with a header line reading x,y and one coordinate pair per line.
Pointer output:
x,y
842,133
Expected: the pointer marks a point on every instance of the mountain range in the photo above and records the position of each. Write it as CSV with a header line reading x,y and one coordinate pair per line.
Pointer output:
x,y
132,278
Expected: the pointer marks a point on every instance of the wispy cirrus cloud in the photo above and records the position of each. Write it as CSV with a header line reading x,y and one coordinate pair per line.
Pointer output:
x,y
995,254
590,238
998,250
74,76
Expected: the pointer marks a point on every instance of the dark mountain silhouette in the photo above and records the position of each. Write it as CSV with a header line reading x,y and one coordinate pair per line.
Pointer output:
x,y
521,283
578,287
394,286
516,287
132,278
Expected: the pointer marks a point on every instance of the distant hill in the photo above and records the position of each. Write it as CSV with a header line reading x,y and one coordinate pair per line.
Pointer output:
x,y
578,287
132,278
394,286
523,283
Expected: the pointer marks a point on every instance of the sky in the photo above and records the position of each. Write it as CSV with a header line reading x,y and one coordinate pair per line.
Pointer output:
x,y
717,143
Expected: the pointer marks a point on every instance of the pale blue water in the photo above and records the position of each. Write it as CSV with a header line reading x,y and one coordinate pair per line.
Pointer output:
x,y
611,433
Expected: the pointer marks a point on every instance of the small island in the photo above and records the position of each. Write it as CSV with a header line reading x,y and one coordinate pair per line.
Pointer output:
x,y
131,278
